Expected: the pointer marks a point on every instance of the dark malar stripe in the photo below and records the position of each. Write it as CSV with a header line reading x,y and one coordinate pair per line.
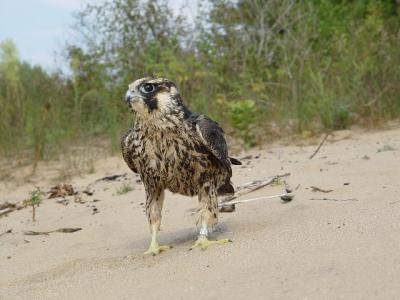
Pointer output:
x,y
151,104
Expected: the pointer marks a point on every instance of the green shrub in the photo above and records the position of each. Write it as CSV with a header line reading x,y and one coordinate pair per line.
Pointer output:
x,y
242,116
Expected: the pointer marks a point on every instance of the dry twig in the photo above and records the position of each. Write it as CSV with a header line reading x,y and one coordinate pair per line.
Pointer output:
x,y
285,196
5,232
317,189
112,177
6,211
253,186
331,199
228,203
319,146
64,230
8,207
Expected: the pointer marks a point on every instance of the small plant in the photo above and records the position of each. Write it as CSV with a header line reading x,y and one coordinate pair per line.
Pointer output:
x,y
34,200
125,188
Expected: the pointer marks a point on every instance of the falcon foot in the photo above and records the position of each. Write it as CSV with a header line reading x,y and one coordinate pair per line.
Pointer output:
x,y
155,249
203,242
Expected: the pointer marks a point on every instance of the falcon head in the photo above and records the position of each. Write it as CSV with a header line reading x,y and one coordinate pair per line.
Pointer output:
x,y
151,97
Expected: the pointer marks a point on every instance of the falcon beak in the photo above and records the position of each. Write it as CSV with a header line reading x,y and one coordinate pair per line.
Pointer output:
x,y
128,97
131,97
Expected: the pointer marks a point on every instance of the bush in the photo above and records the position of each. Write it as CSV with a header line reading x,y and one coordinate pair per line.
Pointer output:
x,y
241,116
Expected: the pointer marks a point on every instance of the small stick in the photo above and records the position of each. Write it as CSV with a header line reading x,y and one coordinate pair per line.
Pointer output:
x,y
248,188
64,230
319,146
6,211
112,177
31,232
331,199
317,189
255,199
270,180
5,232
244,189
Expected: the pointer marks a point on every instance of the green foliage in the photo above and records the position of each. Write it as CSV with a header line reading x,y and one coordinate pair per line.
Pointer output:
x,y
251,65
241,115
35,199
35,111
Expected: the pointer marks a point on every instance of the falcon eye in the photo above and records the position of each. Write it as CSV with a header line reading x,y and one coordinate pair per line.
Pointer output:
x,y
147,88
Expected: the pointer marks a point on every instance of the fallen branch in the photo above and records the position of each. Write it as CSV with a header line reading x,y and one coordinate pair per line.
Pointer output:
x,y
317,189
228,203
64,230
5,232
331,199
6,211
112,177
253,186
89,190
8,207
319,146
284,196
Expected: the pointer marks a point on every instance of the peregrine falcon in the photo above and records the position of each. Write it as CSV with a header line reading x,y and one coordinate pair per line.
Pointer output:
x,y
176,149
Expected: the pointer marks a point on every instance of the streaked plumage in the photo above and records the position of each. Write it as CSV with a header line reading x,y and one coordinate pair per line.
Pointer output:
x,y
173,148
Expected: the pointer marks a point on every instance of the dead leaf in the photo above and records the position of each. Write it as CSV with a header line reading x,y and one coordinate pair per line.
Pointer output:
x,y
61,190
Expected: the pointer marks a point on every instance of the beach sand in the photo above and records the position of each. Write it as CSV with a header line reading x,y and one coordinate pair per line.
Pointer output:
x,y
344,247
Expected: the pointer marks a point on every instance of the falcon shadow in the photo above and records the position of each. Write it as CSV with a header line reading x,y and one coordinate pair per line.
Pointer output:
x,y
183,236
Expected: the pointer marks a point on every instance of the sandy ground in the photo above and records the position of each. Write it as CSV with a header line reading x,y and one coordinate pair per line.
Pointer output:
x,y
346,247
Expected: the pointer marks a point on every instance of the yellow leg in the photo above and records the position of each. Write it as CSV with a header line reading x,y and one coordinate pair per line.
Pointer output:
x,y
203,242
208,211
154,247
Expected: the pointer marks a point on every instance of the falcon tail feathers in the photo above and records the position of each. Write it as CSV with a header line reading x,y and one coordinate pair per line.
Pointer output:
x,y
235,161
226,189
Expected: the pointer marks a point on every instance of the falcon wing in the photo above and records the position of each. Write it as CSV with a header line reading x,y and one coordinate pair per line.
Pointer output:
x,y
213,139
127,150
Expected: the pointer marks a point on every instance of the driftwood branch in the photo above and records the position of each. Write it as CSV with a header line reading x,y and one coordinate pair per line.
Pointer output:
x,y
285,196
8,207
253,186
6,211
228,203
319,146
64,230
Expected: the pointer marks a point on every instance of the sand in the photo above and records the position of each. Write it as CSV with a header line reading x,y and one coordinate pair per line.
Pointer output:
x,y
346,247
